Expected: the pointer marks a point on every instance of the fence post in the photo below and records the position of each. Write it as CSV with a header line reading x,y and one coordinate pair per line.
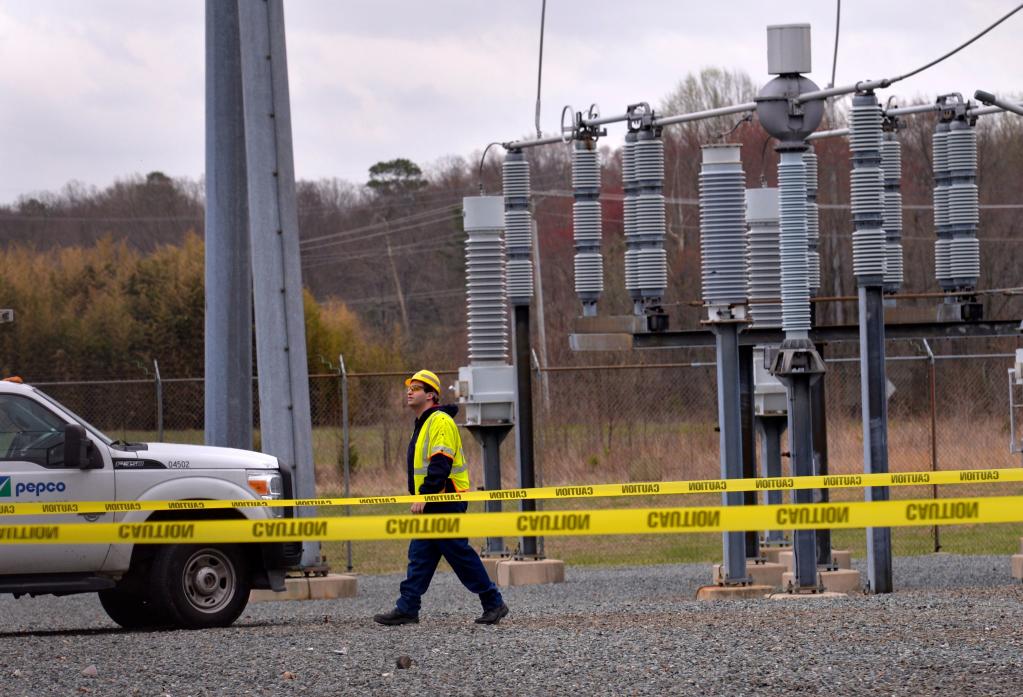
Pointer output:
x,y
159,401
932,390
343,373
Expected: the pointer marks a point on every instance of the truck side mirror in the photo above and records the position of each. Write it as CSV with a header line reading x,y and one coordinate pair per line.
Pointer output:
x,y
77,448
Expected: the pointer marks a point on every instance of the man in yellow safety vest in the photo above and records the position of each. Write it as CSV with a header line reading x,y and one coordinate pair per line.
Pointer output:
x,y
436,465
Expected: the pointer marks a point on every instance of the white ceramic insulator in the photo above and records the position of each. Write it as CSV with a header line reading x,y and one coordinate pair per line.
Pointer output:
x,y
964,264
722,226
518,228
813,235
650,258
763,257
867,189
585,169
485,280
649,161
586,224
795,283
942,260
891,167
629,214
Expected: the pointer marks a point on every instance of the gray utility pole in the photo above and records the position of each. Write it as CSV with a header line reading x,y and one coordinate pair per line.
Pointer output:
x,y
869,263
518,233
285,422
797,364
228,374
723,280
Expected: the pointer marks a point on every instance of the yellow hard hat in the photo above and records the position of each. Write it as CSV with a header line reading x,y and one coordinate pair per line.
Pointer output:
x,y
427,378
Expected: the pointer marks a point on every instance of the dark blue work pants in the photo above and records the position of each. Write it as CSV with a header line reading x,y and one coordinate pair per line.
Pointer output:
x,y
424,555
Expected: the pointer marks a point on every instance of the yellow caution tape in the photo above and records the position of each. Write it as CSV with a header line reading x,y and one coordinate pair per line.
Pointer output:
x,y
702,486
1007,509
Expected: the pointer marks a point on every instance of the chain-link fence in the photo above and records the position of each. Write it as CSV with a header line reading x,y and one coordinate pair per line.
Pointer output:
x,y
619,423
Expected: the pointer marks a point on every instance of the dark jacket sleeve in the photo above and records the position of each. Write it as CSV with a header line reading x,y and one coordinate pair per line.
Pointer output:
x,y
436,475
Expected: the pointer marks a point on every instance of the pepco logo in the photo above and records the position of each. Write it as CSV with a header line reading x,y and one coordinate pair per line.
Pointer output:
x,y
5,487
38,488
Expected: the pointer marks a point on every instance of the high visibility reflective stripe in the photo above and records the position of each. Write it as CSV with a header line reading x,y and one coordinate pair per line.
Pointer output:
x,y
425,455
459,469
444,450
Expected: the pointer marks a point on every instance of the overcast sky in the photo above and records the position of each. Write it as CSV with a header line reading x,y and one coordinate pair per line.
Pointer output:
x,y
99,90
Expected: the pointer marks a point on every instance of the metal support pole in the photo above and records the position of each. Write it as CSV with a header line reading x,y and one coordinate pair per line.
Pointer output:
x,y
801,447
933,392
228,334
730,428
524,419
771,429
285,421
159,400
345,444
819,417
749,440
489,437
873,386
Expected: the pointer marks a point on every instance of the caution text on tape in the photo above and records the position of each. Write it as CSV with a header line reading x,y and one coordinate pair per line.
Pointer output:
x,y
701,486
1005,509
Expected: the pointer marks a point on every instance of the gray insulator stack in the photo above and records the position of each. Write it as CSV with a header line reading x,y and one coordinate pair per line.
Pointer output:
x,y
942,229
485,280
722,229
963,207
586,224
629,214
518,228
867,184
651,259
795,281
813,227
763,257
891,166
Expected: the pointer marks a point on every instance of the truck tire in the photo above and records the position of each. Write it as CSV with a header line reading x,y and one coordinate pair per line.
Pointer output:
x,y
132,611
200,586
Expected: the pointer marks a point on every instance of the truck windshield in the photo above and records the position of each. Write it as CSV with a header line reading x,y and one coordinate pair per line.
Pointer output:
x,y
88,427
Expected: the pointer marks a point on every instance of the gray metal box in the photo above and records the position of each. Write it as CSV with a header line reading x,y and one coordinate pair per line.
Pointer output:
x,y
483,212
788,49
487,393
769,396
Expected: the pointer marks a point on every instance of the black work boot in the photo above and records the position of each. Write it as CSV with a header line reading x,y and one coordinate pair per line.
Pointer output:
x,y
493,615
395,617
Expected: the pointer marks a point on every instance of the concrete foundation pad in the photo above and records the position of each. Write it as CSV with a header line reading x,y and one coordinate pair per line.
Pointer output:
x,y
527,572
771,554
1017,566
326,587
764,574
491,564
840,557
841,581
733,592
809,596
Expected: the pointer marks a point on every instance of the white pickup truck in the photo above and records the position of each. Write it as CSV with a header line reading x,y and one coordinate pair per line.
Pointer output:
x,y
48,454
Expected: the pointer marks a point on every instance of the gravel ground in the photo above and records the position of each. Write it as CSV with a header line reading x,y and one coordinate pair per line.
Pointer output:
x,y
953,627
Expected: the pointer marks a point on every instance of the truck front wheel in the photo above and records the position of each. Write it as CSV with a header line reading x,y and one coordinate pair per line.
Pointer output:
x,y
200,586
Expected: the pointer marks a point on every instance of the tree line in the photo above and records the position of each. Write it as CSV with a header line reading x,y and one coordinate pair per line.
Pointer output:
x,y
103,278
